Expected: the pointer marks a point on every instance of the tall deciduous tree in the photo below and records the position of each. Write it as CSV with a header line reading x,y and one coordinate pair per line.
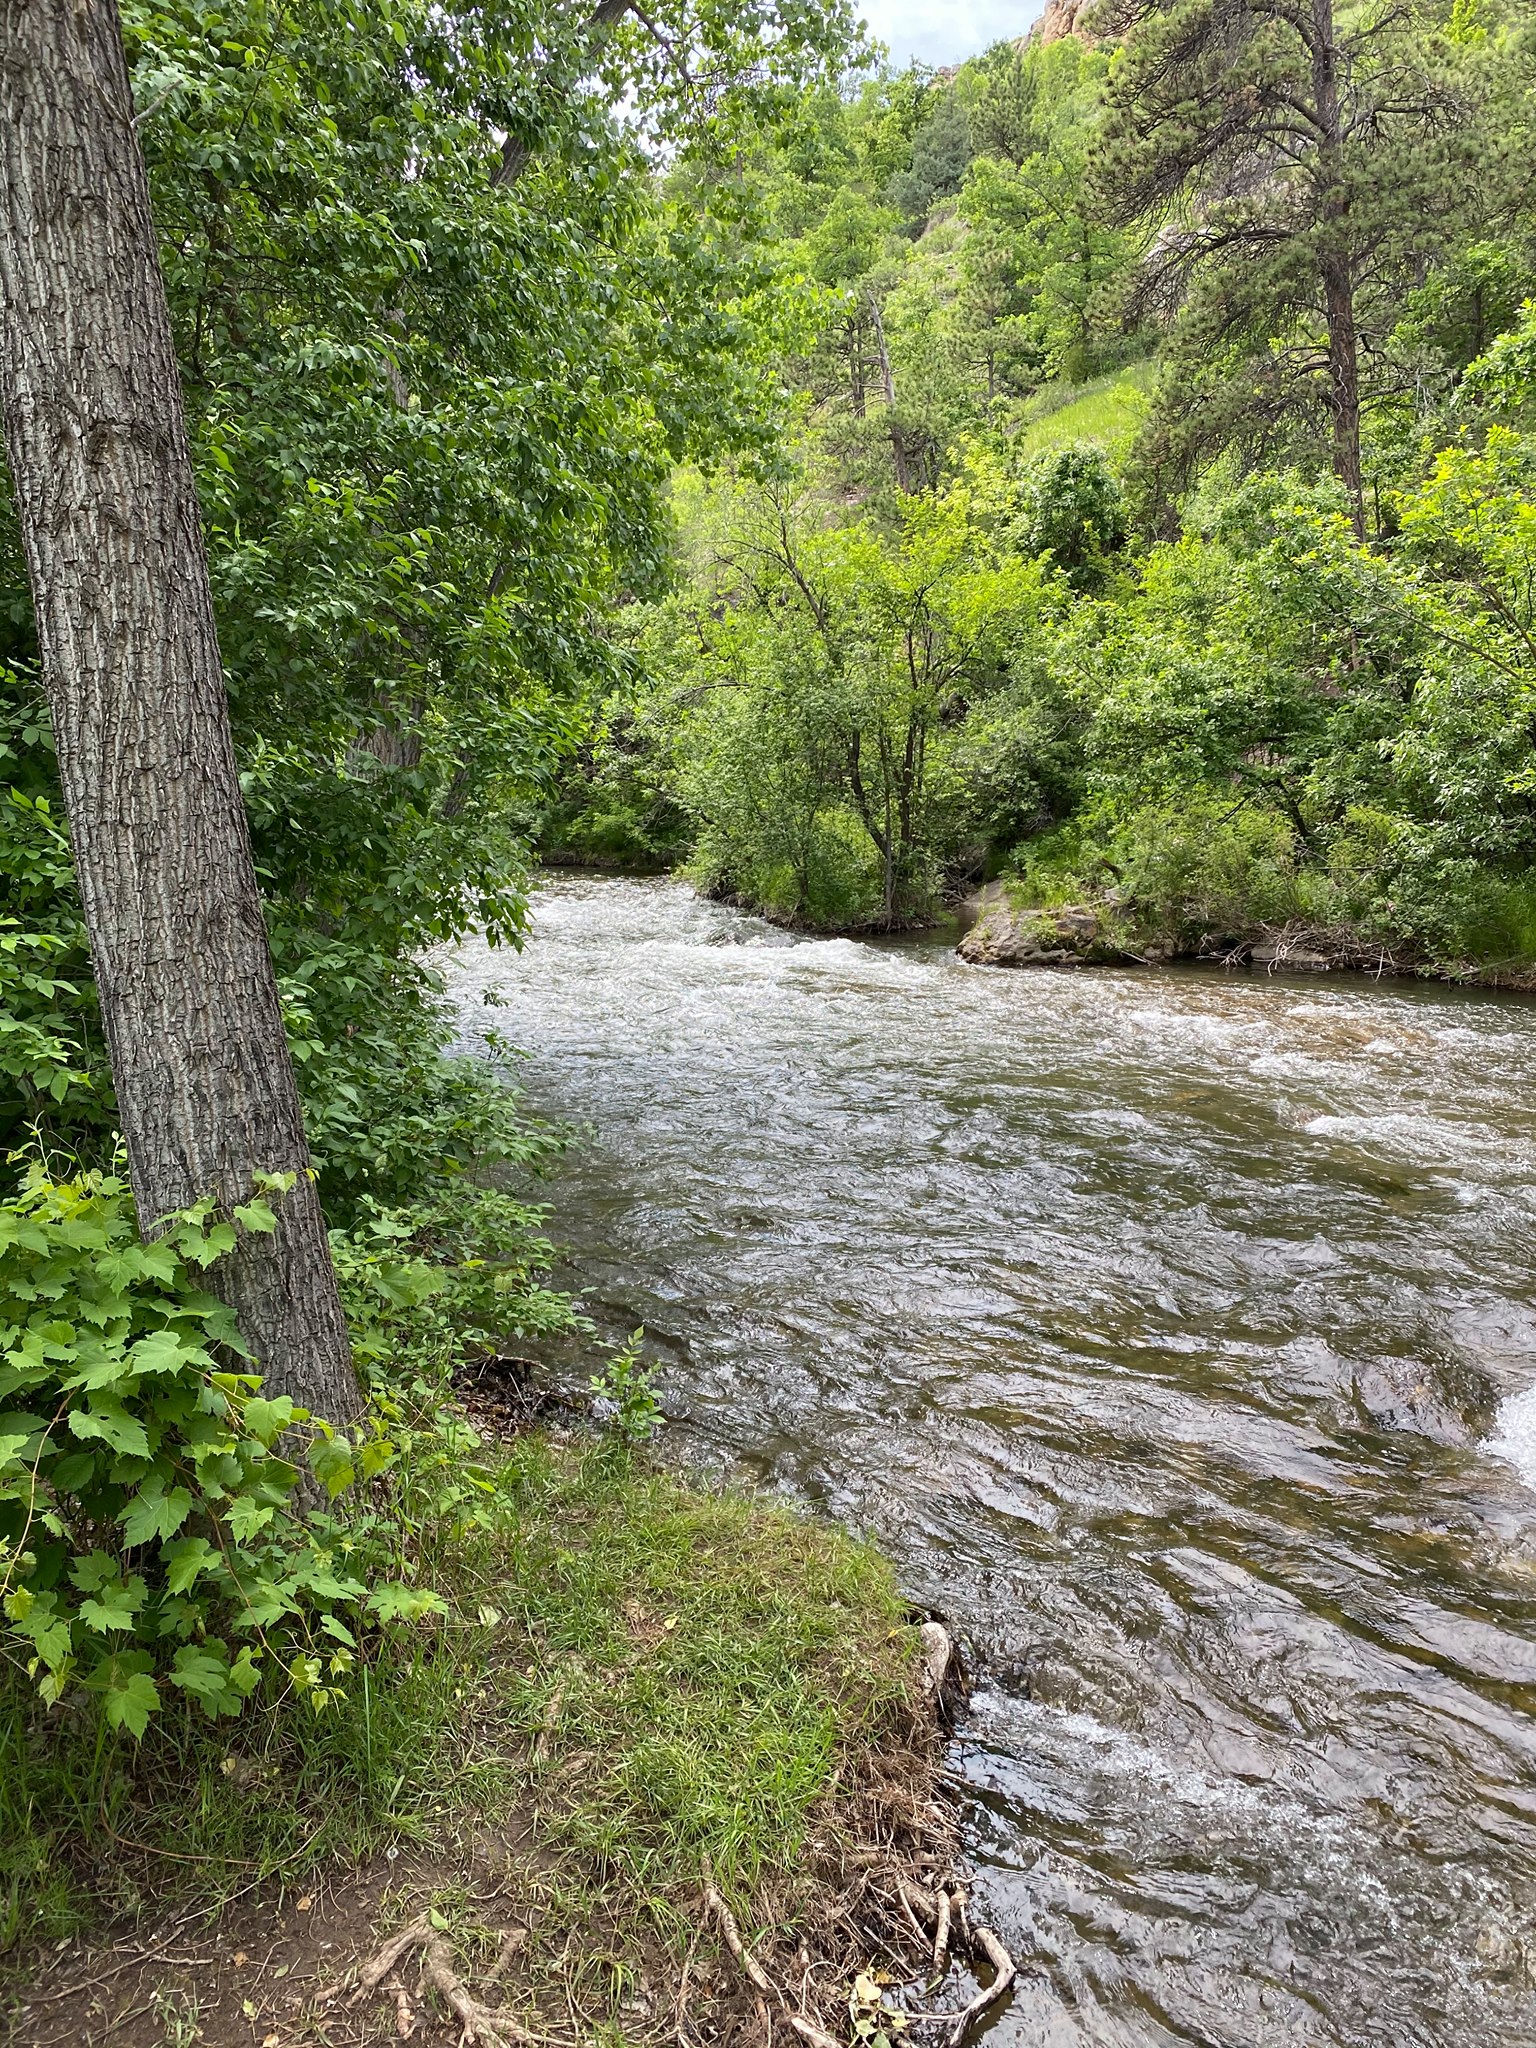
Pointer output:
x,y
1291,159
109,512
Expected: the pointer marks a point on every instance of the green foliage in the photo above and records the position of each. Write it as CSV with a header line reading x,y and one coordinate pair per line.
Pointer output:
x,y
941,149
1072,509
626,1395
152,1541
807,688
433,407
1261,722
723,1668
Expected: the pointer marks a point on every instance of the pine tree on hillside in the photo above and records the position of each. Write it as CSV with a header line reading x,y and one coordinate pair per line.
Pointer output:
x,y
1300,168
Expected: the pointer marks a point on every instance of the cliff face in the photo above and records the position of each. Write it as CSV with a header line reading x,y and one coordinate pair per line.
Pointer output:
x,y
1091,21
1061,18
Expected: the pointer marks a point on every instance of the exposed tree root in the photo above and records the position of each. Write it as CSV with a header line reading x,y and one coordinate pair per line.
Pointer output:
x,y
1005,1972
483,2027
726,1921
945,1912
941,1937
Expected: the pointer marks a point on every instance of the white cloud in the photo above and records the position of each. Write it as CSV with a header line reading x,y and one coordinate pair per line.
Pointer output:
x,y
939,33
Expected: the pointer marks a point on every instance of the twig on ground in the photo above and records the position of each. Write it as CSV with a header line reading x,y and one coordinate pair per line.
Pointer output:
x,y
374,1973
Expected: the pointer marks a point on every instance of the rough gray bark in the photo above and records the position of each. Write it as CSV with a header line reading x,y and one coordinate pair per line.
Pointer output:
x,y
104,490
1338,282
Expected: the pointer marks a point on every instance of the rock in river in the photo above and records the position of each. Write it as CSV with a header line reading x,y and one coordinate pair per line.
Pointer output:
x,y
1009,934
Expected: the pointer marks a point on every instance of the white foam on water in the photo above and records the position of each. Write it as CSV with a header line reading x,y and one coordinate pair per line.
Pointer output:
x,y
1514,1435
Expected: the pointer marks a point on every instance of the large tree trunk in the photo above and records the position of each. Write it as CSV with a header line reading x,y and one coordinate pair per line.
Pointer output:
x,y
1337,270
1344,382
104,489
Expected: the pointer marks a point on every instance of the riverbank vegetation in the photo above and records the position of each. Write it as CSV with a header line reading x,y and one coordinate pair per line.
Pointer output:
x,y
670,437
1155,522
621,1691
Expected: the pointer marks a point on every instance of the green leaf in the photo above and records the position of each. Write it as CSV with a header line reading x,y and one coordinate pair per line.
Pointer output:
x,y
73,1472
114,1607
154,1512
330,1460
396,1602
165,1351
96,1568
205,1671
186,1561
201,1669
131,1697
219,1240
113,1425
268,1419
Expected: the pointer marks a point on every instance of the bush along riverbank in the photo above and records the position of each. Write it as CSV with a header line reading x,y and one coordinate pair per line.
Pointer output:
x,y
1005,925
1266,734
481,1731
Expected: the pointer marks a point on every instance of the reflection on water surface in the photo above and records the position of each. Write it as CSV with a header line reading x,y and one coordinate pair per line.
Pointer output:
x,y
1171,1332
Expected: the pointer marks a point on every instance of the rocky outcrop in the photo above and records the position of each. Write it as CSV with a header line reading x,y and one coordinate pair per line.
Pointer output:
x,y
1091,21
1059,19
1006,933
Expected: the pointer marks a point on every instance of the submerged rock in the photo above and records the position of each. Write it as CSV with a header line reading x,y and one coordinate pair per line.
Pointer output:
x,y
1005,933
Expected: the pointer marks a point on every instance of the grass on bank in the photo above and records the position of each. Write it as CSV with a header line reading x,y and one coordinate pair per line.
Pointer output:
x,y
655,1681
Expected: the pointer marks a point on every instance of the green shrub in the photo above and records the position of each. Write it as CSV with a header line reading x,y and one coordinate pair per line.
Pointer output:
x,y
1201,871
831,884
154,1540
1072,508
1184,875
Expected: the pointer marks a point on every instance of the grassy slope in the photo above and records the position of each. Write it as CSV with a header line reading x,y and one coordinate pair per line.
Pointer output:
x,y
1106,410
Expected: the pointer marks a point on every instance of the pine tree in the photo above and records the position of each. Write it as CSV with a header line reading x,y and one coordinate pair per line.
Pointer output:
x,y
1294,165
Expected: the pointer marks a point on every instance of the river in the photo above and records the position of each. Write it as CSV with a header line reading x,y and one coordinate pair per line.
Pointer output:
x,y
1170,1331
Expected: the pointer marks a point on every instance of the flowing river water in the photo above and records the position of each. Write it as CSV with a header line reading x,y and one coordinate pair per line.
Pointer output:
x,y
1176,1335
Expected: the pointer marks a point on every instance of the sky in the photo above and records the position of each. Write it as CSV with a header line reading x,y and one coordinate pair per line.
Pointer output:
x,y
945,31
